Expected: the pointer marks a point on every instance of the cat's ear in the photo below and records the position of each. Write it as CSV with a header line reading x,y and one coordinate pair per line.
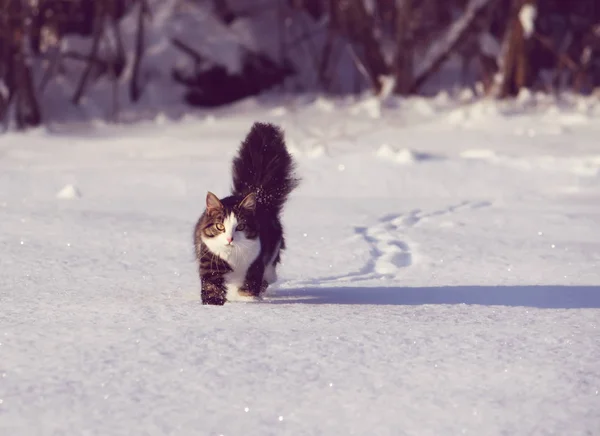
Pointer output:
x,y
213,202
249,203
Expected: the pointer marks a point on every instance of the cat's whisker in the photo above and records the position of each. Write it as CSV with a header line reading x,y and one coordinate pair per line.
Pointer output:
x,y
243,256
235,253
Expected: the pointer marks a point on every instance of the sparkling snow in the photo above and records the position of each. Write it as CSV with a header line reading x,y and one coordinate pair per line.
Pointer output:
x,y
442,275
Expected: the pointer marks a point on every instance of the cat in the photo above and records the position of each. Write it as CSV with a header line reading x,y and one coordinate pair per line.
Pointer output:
x,y
238,239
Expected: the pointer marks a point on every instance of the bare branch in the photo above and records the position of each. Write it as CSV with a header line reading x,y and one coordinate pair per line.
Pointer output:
x,y
438,53
98,31
187,50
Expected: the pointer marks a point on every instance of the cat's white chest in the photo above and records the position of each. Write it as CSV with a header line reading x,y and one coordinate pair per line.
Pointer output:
x,y
238,251
239,261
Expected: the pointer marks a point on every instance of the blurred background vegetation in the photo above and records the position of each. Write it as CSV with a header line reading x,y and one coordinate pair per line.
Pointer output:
x,y
58,55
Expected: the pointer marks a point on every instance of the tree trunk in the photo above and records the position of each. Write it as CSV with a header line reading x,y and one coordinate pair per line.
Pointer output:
x,y
28,112
98,31
135,90
404,56
515,66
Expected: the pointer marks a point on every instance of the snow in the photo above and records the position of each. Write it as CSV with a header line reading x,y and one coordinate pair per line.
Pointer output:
x,y
69,192
527,15
448,284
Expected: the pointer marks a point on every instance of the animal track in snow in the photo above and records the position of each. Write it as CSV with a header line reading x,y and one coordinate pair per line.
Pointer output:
x,y
415,216
388,253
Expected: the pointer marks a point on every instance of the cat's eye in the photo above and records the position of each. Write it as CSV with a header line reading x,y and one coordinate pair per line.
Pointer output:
x,y
240,227
220,227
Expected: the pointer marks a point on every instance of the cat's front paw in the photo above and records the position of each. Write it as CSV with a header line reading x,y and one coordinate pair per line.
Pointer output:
x,y
253,291
246,292
213,301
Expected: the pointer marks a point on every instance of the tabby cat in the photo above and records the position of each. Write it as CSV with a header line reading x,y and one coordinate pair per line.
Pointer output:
x,y
238,239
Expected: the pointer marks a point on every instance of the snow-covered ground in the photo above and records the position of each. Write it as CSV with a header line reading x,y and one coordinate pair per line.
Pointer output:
x,y
442,275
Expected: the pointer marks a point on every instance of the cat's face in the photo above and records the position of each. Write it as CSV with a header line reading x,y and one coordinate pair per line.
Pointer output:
x,y
229,227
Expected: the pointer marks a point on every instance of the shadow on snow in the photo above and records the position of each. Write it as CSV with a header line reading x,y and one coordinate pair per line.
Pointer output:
x,y
547,297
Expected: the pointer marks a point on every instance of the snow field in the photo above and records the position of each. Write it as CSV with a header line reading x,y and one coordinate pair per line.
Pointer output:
x,y
448,284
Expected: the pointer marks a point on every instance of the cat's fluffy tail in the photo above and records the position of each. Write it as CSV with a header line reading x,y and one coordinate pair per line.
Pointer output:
x,y
263,165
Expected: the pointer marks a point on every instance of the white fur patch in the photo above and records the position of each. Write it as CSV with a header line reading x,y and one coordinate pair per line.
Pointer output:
x,y
270,275
239,255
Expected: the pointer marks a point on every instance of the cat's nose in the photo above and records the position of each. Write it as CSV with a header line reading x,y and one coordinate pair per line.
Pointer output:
x,y
229,239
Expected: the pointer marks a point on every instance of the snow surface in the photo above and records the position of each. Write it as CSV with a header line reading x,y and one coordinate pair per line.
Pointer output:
x,y
442,275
